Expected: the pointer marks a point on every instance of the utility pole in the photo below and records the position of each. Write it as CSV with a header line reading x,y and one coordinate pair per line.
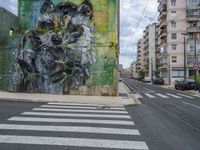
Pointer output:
x,y
185,71
169,67
195,56
151,69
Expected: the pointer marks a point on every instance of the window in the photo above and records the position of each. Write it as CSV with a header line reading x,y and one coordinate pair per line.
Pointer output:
x,y
177,74
173,13
11,32
173,2
173,24
174,47
173,36
191,47
174,59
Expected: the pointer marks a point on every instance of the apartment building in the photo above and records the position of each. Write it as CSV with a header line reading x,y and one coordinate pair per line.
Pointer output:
x,y
133,69
179,28
140,55
150,49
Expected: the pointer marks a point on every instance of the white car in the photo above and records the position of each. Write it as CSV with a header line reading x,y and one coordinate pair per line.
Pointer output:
x,y
147,79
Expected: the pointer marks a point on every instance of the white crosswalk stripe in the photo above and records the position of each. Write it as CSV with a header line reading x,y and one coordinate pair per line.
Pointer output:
x,y
81,107
196,95
149,95
78,104
88,121
70,129
183,95
172,95
82,111
76,115
71,118
161,95
80,142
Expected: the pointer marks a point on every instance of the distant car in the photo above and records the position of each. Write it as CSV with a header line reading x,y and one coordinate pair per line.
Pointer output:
x,y
120,79
158,81
185,84
147,79
138,78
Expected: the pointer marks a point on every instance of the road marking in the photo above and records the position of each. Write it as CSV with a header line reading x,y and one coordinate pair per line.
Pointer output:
x,y
80,107
149,89
149,95
82,104
191,105
78,129
172,95
78,142
82,111
138,96
89,121
184,95
76,115
196,95
161,95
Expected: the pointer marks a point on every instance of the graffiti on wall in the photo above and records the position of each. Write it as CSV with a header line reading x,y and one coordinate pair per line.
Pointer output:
x,y
58,53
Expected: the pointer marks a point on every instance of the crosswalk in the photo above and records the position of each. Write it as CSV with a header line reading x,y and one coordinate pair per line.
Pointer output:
x,y
91,125
168,95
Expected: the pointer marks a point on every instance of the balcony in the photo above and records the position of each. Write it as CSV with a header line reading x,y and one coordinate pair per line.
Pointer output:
x,y
162,35
193,16
193,29
163,23
161,4
146,53
163,13
193,5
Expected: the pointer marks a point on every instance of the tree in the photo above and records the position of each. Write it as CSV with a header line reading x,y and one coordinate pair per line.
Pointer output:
x,y
142,73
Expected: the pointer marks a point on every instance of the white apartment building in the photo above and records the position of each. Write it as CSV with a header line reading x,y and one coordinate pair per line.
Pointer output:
x,y
133,69
150,49
179,20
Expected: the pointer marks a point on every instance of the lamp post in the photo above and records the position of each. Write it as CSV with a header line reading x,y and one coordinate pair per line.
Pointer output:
x,y
185,66
195,57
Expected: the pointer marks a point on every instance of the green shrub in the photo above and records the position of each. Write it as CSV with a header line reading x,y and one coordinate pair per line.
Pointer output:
x,y
193,77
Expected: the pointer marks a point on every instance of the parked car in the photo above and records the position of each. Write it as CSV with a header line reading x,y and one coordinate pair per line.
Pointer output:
x,y
147,79
158,81
120,79
138,78
185,84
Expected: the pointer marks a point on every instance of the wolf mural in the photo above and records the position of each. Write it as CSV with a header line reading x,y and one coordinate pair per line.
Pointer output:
x,y
58,54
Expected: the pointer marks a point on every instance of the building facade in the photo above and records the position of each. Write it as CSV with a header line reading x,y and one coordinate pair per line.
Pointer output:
x,y
133,69
67,47
179,29
140,55
150,49
8,26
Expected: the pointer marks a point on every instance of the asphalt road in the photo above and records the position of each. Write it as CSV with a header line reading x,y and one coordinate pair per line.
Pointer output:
x,y
167,119
67,126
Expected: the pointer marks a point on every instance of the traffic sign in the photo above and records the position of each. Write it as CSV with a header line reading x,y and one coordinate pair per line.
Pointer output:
x,y
196,65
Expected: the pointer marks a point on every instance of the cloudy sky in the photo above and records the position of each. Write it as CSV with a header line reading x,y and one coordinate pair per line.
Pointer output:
x,y
131,30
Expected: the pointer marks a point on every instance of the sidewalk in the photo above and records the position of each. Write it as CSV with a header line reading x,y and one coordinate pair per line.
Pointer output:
x,y
123,98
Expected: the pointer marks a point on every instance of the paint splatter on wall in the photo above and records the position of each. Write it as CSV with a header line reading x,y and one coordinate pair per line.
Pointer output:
x,y
67,47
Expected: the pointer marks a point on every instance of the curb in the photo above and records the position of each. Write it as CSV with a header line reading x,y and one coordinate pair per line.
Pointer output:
x,y
132,96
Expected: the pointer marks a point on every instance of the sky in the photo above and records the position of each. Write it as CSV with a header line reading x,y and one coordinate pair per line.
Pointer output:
x,y
130,28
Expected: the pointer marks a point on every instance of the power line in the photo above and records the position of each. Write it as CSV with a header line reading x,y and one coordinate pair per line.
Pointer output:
x,y
144,10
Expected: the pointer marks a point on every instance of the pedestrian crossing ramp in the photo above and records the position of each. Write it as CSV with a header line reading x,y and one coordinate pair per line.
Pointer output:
x,y
89,126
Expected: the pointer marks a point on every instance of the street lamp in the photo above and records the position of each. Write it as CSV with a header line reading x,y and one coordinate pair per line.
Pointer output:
x,y
185,66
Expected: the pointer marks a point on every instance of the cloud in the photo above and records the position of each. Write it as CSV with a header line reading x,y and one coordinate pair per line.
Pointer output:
x,y
10,5
130,13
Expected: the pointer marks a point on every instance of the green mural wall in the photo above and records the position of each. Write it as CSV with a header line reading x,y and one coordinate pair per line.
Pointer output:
x,y
102,78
